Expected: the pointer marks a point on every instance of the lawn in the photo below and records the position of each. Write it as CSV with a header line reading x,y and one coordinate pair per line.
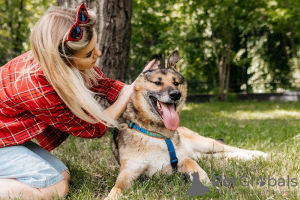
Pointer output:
x,y
271,127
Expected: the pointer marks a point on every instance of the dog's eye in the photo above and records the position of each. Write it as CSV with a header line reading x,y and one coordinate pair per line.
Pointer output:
x,y
158,83
176,83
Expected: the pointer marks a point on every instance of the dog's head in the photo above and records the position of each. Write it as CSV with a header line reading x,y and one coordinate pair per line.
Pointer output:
x,y
159,95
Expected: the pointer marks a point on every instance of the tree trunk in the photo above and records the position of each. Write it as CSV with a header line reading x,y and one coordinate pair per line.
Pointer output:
x,y
228,72
212,74
114,32
246,64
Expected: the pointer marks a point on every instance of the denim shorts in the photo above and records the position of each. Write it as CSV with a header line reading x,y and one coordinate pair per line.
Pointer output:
x,y
30,164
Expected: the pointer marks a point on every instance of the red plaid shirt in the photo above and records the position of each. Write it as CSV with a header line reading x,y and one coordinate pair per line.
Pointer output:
x,y
34,110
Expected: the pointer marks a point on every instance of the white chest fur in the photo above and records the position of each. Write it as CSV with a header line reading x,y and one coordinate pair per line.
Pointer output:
x,y
147,154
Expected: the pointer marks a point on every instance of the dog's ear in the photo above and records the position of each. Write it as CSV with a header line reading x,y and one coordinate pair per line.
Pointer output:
x,y
173,59
157,64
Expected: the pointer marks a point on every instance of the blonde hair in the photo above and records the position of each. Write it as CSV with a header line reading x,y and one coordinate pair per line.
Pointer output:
x,y
55,58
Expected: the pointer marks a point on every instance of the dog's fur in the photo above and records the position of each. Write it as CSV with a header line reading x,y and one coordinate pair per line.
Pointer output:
x,y
140,154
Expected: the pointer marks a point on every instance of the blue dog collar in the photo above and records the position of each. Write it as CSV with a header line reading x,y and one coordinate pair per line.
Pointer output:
x,y
139,129
171,149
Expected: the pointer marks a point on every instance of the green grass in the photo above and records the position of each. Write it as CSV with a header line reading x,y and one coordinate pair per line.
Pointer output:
x,y
266,126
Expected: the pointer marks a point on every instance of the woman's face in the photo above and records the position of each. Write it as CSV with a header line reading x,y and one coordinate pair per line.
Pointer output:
x,y
87,57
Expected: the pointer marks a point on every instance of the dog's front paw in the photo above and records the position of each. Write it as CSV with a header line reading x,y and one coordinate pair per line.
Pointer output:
x,y
205,180
111,198
114,194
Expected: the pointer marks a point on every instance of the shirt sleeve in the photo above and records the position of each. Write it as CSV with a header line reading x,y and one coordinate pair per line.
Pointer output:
x,y
107,88
45,104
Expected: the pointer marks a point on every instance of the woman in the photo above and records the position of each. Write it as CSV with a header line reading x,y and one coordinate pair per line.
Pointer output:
x,y
49,93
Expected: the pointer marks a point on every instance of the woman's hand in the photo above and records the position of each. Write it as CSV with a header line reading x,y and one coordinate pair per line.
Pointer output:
x,y
118,107
150,64
126,91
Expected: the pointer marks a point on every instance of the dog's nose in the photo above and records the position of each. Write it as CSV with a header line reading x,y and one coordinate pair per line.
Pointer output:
x,y
175,95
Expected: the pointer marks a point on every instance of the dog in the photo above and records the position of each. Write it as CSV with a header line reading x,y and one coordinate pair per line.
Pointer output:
x,y
151,121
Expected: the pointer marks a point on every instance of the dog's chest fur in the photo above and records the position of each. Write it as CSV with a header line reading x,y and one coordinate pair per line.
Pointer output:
x,y
144,153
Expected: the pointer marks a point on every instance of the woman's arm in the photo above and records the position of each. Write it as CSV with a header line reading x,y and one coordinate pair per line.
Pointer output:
x,y
118,107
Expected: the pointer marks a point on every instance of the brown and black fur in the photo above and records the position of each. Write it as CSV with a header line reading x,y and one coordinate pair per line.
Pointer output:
x,y
140,154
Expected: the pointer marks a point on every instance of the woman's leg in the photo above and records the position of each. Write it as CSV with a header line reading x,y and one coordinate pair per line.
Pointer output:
x,y
30,172
12,188
51,159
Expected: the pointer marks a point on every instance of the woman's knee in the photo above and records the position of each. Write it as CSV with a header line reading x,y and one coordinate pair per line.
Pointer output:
x,y
12,188
60,189
67,175
63,187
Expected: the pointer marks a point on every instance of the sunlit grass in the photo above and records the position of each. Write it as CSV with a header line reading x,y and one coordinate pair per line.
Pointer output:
x,y
248,115
237,114
266,126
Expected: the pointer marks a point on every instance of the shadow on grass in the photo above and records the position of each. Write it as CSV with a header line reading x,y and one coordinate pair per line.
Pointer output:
x,y
80,179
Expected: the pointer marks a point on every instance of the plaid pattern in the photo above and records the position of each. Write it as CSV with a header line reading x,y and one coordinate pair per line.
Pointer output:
x,y
34,110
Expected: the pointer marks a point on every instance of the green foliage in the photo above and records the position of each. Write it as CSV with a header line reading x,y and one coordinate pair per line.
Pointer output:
x,y
16,19
254,44
259,40
154,31
231,97
282,42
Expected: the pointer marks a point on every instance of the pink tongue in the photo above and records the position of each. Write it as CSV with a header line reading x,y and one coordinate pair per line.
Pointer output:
x,y
170,116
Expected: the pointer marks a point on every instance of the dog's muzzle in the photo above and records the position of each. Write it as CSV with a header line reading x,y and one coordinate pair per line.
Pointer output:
x,y
175,95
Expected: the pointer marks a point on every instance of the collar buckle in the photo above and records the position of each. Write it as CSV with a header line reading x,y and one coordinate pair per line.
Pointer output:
x,y
174,160
131,125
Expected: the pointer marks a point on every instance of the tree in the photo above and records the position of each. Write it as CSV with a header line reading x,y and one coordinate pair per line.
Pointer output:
x,y
114,32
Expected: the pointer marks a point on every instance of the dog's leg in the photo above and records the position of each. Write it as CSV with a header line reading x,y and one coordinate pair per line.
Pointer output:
x,y
190,166
124,180
198,146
